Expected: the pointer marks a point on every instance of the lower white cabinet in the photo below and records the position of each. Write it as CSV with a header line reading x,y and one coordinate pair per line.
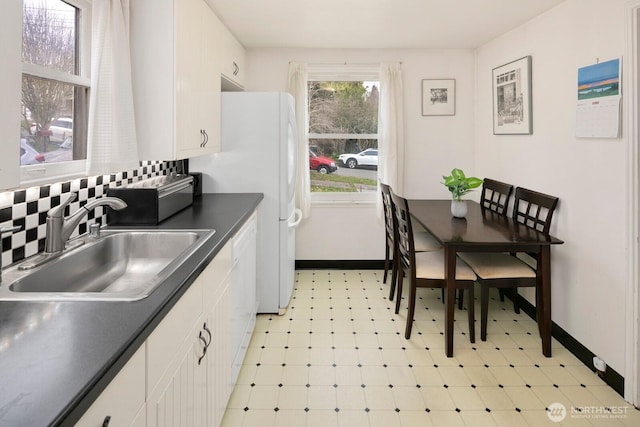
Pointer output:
x,y
219,384
122,402
172,338
141,419
188,374
179,399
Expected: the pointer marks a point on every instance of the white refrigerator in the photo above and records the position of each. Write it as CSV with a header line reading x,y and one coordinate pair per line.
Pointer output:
x,y
258,155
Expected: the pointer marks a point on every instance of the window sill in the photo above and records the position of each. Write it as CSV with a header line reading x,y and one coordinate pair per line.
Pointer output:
x,y
35,175
344,199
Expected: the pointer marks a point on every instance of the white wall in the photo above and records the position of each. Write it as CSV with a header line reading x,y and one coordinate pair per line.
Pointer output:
x,y
434,145
588,175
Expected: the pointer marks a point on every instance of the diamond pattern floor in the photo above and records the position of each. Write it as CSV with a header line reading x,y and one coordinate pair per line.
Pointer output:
x,y
338,357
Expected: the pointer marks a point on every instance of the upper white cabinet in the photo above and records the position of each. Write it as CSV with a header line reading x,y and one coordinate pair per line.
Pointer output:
x,y
176,86
232,57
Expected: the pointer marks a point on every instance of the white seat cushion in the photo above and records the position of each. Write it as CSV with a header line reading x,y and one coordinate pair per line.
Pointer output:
x,y
425,242
430,265
497,265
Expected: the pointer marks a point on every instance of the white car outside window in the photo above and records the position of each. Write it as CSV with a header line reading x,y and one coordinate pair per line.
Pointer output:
x,y
368,157
61,129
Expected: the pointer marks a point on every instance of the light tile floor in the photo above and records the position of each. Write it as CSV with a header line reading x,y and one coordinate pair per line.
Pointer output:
x,y
338,357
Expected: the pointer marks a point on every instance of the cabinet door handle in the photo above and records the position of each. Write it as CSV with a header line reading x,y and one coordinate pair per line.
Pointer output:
x,y
206,329
204,348
206,138
236,69
106,421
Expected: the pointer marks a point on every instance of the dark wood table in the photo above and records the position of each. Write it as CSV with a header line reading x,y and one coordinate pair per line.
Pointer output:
x,y
486,231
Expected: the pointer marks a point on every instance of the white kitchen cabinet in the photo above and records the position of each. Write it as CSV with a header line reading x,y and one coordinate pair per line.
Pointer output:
x,y
233,63
187,375
196,388
122,401
219,384
175,69
166,344
141,419
176,378
180,396
217,308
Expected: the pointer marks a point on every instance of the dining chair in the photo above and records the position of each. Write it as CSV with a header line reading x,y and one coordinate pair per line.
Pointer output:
x,y
495,196
507,271
424,241
424,269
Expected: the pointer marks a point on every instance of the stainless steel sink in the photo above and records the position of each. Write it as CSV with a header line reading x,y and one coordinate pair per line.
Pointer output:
x,y
119,265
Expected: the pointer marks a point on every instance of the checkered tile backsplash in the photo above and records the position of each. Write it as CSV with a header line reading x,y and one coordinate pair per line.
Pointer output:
x,y
28,207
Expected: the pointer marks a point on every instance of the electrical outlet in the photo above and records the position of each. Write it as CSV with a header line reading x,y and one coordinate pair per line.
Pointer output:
x,y
599,364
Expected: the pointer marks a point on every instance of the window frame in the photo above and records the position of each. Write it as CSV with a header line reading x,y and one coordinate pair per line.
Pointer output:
x,y
344,73
52,172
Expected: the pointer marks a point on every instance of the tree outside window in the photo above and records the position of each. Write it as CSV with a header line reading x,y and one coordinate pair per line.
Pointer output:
x,y
343,118
53,104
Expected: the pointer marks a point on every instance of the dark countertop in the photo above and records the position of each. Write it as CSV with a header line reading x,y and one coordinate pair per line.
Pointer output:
x,y
57,357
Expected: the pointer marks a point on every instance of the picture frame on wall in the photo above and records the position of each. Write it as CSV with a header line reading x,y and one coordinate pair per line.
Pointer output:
x,y
438,97
512,112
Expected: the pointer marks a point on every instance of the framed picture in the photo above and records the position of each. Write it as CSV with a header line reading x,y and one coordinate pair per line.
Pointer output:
x,y
439,97
512,98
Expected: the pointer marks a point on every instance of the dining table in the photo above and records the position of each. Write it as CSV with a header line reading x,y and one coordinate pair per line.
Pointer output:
x,y
483,230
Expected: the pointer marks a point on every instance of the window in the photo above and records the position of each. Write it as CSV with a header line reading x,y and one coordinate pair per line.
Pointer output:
x,y
55,86
343,128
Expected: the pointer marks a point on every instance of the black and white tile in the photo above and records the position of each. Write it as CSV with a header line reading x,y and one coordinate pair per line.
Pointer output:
x,y
28,207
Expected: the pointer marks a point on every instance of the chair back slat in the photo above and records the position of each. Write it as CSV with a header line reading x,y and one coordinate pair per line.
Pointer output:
x,y
533,209
404,231
495,196
388,210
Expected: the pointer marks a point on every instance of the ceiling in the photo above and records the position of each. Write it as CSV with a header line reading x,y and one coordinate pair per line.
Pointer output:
x,y
374,23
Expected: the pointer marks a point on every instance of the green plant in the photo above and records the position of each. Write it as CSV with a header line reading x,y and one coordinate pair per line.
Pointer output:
x,y
459,184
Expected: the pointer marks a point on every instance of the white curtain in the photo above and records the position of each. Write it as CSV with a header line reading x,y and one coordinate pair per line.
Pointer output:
x,y
298,88
390,130
112,142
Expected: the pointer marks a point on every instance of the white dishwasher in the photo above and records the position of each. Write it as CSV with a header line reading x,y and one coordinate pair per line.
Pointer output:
x,y
243,293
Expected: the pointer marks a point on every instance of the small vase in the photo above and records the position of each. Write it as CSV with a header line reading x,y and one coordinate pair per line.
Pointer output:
x,y
459,208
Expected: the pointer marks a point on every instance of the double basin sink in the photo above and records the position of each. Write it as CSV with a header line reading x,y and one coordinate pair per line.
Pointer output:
x,y
119,265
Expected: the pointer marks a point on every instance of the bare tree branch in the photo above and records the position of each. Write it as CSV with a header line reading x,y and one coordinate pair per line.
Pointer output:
x,y
48,40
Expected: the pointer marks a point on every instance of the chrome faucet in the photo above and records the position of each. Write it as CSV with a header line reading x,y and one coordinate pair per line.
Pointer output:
x,y
59,228
2,231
